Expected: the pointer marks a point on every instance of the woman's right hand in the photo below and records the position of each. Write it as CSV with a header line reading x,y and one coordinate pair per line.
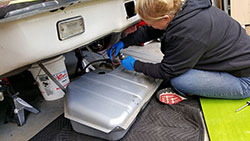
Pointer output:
x,y
115,49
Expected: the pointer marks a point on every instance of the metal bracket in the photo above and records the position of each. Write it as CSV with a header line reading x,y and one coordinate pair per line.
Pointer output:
x,y
52,77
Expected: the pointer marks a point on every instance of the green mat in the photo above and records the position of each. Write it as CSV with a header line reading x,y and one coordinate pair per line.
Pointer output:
x,y
223,122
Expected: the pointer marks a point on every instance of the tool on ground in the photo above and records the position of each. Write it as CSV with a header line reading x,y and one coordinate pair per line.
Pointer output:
x,y
248,103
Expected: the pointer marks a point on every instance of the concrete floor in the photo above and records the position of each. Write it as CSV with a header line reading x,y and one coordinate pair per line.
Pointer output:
x,y
49,111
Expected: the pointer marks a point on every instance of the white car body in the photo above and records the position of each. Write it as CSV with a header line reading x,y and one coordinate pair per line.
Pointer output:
x,y
28,37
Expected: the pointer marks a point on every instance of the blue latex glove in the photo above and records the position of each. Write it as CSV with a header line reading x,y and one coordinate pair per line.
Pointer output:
x,y
117,47
128,63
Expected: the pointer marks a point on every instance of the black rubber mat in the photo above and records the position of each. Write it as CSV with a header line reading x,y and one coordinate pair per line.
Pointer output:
x,y
157,122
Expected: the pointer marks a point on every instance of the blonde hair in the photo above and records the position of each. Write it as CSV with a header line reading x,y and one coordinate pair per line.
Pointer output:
x,y
152,10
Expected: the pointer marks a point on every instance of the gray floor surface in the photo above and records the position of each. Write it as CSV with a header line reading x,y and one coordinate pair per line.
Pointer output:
x,y
49,111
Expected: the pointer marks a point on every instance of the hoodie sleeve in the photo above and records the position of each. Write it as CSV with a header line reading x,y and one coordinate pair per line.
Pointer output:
x,y
142,35
180,55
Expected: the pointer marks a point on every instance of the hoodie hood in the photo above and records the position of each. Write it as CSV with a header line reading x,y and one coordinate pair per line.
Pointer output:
x,y
189,9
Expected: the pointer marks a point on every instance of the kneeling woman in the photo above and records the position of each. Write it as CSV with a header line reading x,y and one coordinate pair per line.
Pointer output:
x,y
202,56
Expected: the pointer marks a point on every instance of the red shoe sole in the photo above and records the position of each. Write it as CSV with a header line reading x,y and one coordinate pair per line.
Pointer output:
x,y
170,98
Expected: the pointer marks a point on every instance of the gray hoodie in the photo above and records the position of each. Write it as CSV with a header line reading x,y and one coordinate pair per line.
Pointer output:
x,y
199,37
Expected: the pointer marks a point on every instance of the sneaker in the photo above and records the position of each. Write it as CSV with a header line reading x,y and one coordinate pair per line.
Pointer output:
x,y
169,96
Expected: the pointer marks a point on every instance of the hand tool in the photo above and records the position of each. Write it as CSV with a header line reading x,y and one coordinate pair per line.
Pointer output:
x,y
247,104
116,59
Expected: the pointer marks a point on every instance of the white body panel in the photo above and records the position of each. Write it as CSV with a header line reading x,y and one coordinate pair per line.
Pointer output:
x,y
27,40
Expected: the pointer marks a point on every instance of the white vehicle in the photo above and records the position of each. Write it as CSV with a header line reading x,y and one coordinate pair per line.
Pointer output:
x,y
51,28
